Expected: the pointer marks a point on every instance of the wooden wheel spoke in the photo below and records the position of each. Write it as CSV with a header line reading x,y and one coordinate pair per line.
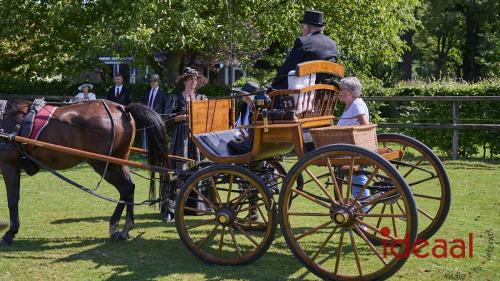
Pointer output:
x,y
379,198
367,241
380,218
362,190
231,178
339,252
209,236
221,241
393,221
250,222
241,197
400,208
420,210
413,167
353,244
199,211
349,180
205,199
236,246
318,183
251,207
375,229
334,179
308,214
380,215
314,230
309,197
324,244
246,235
201,224
427,196
403,151
216,192
262,214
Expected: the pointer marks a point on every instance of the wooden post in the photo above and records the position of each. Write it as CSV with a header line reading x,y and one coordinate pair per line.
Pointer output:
x,y
455,106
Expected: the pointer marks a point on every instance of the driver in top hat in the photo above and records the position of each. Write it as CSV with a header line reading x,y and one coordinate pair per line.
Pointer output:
x,y
313,45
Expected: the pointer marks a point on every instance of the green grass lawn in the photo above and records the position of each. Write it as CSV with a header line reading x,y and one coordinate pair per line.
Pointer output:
x,y
64,236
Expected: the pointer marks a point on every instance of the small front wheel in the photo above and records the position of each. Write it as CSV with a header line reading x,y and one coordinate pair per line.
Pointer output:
x,y
228,197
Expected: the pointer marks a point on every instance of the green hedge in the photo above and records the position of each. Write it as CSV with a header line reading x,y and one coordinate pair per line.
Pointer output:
x,y
17,86
472,143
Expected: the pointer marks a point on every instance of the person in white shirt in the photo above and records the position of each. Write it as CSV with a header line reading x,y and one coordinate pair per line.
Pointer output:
x,y
355,113
85,94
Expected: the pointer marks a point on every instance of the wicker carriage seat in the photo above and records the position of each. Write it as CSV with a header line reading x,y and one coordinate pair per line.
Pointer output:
x,y
217,143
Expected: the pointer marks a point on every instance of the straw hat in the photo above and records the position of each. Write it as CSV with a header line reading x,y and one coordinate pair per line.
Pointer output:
x,y
188,72
85,85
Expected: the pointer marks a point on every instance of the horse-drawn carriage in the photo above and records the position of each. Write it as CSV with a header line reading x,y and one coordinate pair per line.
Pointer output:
x,y
227,207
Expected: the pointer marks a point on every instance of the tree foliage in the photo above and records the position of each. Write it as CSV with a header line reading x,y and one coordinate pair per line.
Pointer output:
x,y
48,37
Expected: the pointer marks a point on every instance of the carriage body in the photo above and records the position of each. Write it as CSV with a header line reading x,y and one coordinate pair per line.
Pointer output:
x,y
329,170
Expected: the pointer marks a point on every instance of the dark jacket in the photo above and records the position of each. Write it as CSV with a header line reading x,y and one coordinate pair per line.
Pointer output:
x,y
125,96
316,46
162,104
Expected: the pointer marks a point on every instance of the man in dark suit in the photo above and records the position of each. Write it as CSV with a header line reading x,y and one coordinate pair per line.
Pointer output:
x,y
119,93
313,45
155,98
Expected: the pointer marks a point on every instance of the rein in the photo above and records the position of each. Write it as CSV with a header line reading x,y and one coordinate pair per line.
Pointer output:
x,y
82,187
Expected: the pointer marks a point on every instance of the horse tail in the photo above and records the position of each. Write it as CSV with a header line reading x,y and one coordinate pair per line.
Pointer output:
x,y
151,123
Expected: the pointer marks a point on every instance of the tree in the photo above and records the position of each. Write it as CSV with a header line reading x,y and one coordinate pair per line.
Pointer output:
x,y
67,36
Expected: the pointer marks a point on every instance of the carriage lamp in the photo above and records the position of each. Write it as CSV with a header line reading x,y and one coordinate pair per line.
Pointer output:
x,y
262,103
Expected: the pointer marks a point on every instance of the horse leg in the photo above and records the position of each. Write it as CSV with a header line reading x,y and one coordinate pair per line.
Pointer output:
x,y
12,178
119,177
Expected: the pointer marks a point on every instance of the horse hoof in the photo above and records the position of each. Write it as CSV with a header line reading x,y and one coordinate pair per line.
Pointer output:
x,y
115,236
123,236
4,243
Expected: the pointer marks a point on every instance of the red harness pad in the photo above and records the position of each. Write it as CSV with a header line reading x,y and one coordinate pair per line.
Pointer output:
x,y
41,120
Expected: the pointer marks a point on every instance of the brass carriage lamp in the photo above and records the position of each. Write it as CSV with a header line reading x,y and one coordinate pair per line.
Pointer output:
x,y
262,103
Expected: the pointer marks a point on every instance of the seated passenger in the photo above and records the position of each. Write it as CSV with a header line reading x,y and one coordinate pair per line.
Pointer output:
x,y
244,144
355,113
84,94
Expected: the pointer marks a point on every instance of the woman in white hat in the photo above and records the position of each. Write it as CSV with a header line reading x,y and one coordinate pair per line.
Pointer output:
x,y
85,94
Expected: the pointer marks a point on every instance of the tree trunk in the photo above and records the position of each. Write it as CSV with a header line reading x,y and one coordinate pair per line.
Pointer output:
x,y
171,65
406,65
470,67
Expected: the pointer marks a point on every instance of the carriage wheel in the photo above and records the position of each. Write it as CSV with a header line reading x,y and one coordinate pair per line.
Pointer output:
x,y
426,176
274,179
227,195
321,225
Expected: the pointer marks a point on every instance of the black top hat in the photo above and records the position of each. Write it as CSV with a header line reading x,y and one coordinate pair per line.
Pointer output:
x,y
314,18
248,88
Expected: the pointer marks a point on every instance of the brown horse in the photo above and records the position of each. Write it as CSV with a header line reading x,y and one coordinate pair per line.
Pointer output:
x,y
85,126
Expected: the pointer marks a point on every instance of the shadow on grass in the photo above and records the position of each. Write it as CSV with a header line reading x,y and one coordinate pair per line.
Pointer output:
x,y
148,259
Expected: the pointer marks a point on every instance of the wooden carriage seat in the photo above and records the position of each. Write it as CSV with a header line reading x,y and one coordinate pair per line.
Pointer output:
x,y
210,115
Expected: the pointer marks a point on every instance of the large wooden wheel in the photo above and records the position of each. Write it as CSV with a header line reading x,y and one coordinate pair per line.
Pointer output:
x,y
325,225
234,200
426,176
